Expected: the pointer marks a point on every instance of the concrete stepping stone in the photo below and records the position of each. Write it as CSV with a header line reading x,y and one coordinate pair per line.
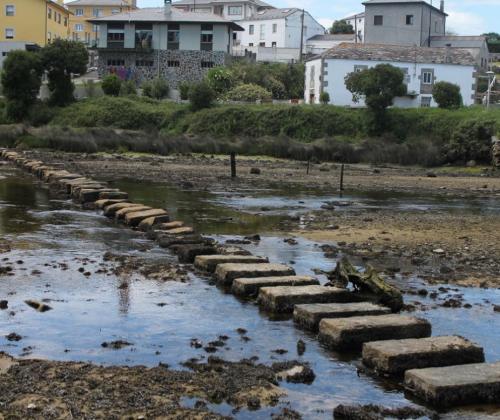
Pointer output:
x,y
396,356
120,214
93,194
113,208
210,262
232,250
170,225
282,299
351,333
100,204
442,387
227,272
251,287
136,217
188,252
116,195
167,241
310,315
153,221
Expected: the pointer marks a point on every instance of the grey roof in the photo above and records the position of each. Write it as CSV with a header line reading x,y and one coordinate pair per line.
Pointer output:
x,y
333,37
369,2
157,14
98,3
259,3
357,15
400,53
458,41
267,14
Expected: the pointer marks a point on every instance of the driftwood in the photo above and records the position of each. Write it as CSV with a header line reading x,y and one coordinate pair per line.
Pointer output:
x,y
368,282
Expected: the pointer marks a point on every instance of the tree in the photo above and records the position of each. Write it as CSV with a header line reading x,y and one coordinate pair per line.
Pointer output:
x,y
220,79
341,27
379,86
324,98
201,95
61,59
447,95
111,85
21,81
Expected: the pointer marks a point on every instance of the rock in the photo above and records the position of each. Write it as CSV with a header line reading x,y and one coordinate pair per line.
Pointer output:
x,y
375,412
40,307
438,251
255,171
251,286
431,175
170,225
301,347
177,231
113,208
13,337
209,262
100,204
188,253
136,217
120,214
226,273
150,222
253,238
116,345
294,372
4,304
113,195
166,241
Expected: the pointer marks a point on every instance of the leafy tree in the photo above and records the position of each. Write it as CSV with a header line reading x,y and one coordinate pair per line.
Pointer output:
x,y
324,98
472,141
111,85
341,27
201,95
379,86
21,81
220,79
447,95
61,59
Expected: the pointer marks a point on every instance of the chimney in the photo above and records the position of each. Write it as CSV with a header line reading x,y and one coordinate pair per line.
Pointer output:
x,y
168,7
441,6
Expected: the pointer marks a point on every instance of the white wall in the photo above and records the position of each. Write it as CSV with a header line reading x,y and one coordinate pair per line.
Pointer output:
x,y
320,46
293,30
360,22
336,70
313,81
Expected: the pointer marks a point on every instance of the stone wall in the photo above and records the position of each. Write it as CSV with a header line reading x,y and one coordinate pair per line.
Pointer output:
x,y
175,66
496,152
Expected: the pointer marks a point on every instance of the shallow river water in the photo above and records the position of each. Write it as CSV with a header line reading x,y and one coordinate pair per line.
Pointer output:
x,y
55,237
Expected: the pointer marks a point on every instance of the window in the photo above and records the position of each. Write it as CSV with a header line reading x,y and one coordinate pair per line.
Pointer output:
x,y
263,31
201,9
116,62
78,12
275,28
49,13
65,21
251,29
207,64
115,11
234,10
116,35
95,28
49,37
409,19
378,20
9,33
10,10
262,44
96,12
144,63
359,68
173,36
274,45
427,78
425,101
78,27
207,37
407,78
250,44
143,35
59,18
173,63
436,26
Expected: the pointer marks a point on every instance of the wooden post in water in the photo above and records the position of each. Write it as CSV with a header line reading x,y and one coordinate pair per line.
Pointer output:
x,y
308,165
342,177
233,165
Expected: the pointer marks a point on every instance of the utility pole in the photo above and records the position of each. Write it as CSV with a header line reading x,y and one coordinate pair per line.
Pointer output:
x,y
491,83
430,23
302,36
356,28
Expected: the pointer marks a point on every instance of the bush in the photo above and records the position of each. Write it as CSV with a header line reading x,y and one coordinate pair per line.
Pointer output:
x,y
184,90
220,79
111,85
276,88
472,141
447,95
248,93
324,98
128,88
41,114
201,96
156,89
90,88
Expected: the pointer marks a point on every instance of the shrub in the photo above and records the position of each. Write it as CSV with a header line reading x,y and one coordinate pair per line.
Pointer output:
x,y
249,93
41,114
472,141
447,95
184,90
276,87
157,88
220,79
111,85
21,81
324,98
201,95
90,88
128,88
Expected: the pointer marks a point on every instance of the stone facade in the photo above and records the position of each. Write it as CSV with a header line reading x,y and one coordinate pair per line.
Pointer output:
x,y
176,66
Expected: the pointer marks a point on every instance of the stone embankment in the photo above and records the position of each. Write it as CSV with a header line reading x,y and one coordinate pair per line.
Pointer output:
x,y
442,371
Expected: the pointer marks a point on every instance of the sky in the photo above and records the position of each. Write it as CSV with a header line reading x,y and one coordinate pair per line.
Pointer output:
x,y
466,17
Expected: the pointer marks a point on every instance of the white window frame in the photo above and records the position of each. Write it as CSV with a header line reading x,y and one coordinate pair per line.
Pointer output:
x,y
251,29
427,78
262,32
427,103
96,12
275,28
78,12
10,10
115,11
78,27
11,32
235,10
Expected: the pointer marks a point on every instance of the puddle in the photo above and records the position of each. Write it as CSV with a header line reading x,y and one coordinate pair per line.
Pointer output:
x,y
161,318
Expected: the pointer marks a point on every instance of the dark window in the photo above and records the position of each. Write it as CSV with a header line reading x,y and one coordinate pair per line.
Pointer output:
x,y
143,35
262,44
378,20
251,29
207,37
409,19
116,34
144,63
49,13
173,63
116,62
274,44
173,36
207,64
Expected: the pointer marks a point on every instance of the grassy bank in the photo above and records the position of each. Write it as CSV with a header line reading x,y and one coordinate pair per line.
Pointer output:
x,y
413,136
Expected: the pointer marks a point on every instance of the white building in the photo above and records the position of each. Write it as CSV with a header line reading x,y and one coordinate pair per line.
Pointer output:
x,y
423,68
318,44
357,22
234,10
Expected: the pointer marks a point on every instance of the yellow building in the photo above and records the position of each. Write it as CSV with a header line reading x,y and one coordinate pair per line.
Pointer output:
x,y
83,10
33,21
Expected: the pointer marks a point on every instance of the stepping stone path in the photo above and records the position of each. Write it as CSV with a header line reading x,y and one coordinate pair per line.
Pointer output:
x,y
392,344
396,356
309,316
351,333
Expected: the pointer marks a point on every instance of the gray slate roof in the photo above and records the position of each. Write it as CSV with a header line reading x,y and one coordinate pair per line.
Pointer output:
x,y
259,3
369,2
333,37
267,14
458,41
157,14
98,3
399,53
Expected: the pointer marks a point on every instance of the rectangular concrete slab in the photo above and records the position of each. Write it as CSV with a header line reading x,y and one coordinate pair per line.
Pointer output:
x,y
148,223
282,299
442,387
210,262
134,218
226,273
309,316
100,204
396,356
113,195
251,287
187,253
351,333
113,208
120,214
167,241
